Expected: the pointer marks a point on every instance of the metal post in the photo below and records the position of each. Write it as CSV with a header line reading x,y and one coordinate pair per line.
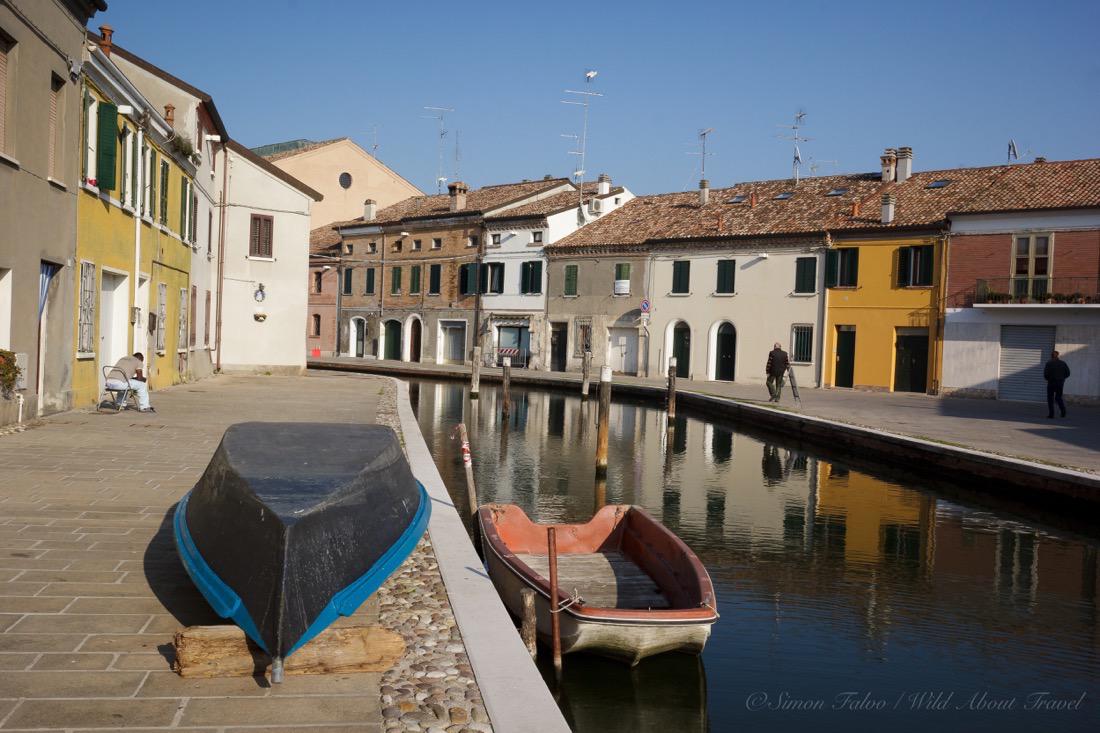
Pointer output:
x,y
468,464
672,387
586,373
506,396
603,419
529,629
475,373
555,624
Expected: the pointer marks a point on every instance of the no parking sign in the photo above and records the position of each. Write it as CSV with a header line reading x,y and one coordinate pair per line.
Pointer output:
x,y
645,305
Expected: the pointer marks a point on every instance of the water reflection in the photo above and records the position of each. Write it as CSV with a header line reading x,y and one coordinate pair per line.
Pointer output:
x,y
829,578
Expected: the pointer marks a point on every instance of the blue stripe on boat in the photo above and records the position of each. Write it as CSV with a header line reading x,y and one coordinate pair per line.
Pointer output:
x,y
227,604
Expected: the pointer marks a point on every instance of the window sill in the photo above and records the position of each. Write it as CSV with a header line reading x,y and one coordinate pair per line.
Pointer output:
x,y
432,295
620,295
844,287
8,160
94,190
82,355
802,295
722,295
679,295
267,259
915,287
570,296
56,183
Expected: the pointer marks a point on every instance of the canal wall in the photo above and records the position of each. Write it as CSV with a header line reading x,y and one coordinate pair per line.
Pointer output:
x,y
1000,476
515,695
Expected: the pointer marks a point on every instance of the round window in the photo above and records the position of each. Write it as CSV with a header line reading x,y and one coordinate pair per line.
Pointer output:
x,y
345,180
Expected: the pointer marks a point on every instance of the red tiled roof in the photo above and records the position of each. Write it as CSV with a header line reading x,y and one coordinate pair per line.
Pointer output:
x,y
1060,184
324,238
304,149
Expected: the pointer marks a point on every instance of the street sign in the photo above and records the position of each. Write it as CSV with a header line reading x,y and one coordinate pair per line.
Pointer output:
x,y
645,305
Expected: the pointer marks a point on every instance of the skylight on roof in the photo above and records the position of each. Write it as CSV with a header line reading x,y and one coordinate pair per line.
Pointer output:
x,y
784,196
939,183
837,192
736,199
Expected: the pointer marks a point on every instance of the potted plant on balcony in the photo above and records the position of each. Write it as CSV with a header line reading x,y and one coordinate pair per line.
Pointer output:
x,y
1077,297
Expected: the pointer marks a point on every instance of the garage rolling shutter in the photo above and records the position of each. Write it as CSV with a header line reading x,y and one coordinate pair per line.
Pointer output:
x,y
1024,351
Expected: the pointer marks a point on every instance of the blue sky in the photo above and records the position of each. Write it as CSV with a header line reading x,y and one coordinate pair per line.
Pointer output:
x,y
954,80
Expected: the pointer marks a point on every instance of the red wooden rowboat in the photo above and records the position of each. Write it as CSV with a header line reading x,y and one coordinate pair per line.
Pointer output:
x,y
630,588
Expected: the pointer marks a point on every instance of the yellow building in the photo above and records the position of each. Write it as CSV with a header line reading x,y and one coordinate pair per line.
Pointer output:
x,y
882,329
135,223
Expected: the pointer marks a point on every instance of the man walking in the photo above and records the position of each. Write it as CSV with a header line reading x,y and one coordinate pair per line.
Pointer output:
x,y
132,367
1056,372
778,362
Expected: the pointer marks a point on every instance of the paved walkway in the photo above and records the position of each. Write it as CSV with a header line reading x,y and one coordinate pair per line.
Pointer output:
x,y
91,590
1018,429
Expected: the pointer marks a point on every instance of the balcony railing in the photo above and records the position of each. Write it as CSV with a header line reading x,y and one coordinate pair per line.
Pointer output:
x,y
1037,290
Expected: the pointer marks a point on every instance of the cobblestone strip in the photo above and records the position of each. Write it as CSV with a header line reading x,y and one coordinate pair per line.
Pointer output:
x,y
432,688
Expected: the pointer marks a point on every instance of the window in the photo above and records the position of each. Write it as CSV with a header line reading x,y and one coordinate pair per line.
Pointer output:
x,y
784,196
530,280
492,278
181,322
622,271
148,195
739,198
397,245
681,276
915,266
206,326
837,192
135,162
570,280
467,279
416,245
209,232
259,240
473,240
193,228
106,146
1031,265
536,237
124,182
345,180
162,315
57,114
85,341
842,267
805,275
496,240
372,247
90,136
437,243
369,289
414,279
185,208
395,281
164,192
5,50
727,273
349,248
318,278
315,328
192,333
582,335
5,308
802,344
346,285
941,183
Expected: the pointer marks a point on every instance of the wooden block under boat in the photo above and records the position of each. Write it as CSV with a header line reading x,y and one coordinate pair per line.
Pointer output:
x,y
225,651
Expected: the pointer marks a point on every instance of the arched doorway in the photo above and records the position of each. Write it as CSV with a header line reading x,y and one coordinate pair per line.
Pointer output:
x,y
415,330
392,344
681,349
725,352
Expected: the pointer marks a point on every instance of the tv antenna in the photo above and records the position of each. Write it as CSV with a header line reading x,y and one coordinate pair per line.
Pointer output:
x,y
458,158
440,112
702,153
795,138
582,142
816,165
374,137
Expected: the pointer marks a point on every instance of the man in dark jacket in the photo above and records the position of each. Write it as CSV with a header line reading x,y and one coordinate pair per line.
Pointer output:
x,y
1056,372
776,370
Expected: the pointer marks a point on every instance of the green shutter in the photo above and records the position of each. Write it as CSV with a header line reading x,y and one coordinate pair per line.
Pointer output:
x,y
106,154
433,278
570,280
805,277
904,259
183,209
622,271
681,276
164,192
414,279
926,264
536,277
726,271
832,268
370,281
395,280
853,261
483,277
469,279
153,168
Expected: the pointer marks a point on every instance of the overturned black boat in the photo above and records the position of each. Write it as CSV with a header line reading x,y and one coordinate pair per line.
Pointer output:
x,y
295,524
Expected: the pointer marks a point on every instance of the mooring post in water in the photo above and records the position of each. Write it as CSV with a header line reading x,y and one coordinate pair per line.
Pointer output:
x,y
555,623
529,630
600,493
604,417
506,393
468,464
586,374
475,373
672,387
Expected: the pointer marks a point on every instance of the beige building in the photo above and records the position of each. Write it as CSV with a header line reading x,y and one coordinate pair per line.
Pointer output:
x,y
342,172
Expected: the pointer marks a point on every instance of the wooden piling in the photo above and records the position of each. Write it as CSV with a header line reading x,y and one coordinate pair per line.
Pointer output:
x,y
600,494
603,420
555,622
468,464
586,374
672,388
475,373
506,393
529,630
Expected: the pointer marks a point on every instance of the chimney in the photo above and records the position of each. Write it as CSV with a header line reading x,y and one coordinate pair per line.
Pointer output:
x,y
889,165
603,185
905,164
704,192
169,114
105,45
888,202
855,209
370,208
752,200
458,191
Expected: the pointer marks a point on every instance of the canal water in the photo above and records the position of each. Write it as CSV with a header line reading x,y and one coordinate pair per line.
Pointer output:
x,y
853,597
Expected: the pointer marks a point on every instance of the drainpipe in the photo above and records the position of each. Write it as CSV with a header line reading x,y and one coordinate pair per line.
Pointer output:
x,y
221,253
381,350
823,318
140,189
941,319
339,294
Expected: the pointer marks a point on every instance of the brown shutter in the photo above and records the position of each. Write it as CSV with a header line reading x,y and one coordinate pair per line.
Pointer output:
x,y
206,328
254,237
194,313
3,89
51,164
268,223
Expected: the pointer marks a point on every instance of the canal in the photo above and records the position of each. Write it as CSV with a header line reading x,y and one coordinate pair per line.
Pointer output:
x,y
853,596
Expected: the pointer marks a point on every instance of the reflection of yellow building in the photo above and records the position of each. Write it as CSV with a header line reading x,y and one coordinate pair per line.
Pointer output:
x,y
881,323
879,520
135,226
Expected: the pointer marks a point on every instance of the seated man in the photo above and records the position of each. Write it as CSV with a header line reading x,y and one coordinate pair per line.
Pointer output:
x,y
132,366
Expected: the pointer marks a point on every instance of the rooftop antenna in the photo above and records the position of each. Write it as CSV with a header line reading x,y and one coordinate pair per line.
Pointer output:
x,y
795,137
816,165
458,158
440,112
374,146
586,97
1012,152
703,150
